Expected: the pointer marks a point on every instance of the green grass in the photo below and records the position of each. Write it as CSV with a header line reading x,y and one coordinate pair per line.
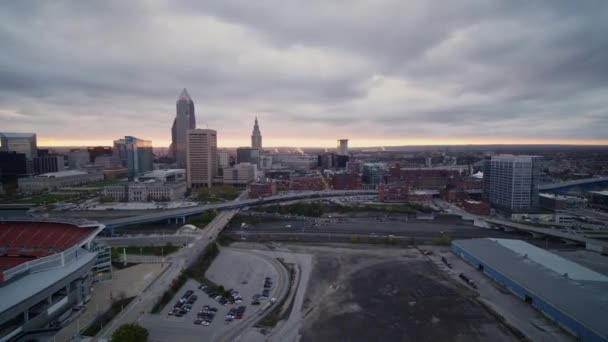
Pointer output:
x,y
311,209
203,219
106,317
219,193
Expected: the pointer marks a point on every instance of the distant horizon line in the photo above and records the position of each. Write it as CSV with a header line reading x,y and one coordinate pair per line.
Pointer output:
x,y
356,147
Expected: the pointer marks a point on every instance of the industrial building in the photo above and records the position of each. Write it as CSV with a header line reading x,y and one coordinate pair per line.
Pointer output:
x,y
46,268
55,180
571,295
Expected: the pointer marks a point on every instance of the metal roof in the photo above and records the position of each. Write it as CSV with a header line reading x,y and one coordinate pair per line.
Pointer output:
x,y
21,289
17,135
541,273
551,261
65,173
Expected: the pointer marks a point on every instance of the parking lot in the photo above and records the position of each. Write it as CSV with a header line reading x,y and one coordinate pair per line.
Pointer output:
x,y
207,317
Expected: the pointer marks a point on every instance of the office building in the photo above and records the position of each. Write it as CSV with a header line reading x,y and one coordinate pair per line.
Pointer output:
x,y
598,199
108,162
19,142
48,163
223,159
97,151
12,166
373,173
240,174
343,147
570,294
78,158
256,136
510,183
184,121
354,166
201,161
134,154
265,162
247,155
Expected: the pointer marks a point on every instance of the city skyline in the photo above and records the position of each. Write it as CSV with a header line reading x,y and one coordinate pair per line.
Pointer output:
x,y
490,73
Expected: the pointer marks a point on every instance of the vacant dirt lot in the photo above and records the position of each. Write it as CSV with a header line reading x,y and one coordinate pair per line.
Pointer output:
x,y
390,295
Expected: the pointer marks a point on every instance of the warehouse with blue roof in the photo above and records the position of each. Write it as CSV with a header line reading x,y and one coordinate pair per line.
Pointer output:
x,y
573,296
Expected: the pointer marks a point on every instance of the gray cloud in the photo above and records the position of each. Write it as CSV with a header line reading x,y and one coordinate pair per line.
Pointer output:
x,y
373,71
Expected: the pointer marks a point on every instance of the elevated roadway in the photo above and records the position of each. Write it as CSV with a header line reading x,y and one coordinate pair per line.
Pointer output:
x,y
182,214
586,182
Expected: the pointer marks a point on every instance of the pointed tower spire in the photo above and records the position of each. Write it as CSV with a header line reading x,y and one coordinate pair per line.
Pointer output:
x,y
184,95
256,135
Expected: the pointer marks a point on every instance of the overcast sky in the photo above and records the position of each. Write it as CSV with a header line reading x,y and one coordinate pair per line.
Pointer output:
x,y
378,72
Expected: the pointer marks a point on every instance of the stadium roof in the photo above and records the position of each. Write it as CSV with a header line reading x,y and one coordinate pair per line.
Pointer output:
x,y
582,294
17,135
23,288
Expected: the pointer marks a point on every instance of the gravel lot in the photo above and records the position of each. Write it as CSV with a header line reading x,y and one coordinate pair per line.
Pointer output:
x,y
390,294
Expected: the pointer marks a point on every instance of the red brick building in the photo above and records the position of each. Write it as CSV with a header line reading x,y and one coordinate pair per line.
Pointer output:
x,y
307,183
423,178
262,189
346,181
476,207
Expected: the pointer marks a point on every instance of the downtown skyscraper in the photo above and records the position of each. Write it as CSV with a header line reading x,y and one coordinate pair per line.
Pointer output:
x,y
184,120
256,136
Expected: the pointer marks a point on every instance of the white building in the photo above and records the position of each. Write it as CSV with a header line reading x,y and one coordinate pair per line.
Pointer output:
x,y
201,157
55,180
223,159
240,174
151,190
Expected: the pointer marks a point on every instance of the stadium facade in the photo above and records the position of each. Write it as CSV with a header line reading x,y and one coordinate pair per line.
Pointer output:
x,y
47,269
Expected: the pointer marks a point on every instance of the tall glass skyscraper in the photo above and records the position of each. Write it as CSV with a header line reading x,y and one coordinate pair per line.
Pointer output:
x,y
184,121
134,154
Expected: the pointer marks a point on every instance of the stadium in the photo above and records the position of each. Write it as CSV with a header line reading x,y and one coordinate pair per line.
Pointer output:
x,y
47,269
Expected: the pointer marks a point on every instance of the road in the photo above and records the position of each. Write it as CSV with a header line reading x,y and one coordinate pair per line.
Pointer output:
x,y
178,262
239,203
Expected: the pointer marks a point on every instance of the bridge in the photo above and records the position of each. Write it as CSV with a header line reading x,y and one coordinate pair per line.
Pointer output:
x,y
180,215
578,185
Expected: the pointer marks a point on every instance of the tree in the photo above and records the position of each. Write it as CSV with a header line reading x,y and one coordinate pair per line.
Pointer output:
x,y
130,333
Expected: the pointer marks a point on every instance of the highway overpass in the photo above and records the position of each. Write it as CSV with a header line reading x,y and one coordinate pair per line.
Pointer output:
x,y
579,185
180,215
